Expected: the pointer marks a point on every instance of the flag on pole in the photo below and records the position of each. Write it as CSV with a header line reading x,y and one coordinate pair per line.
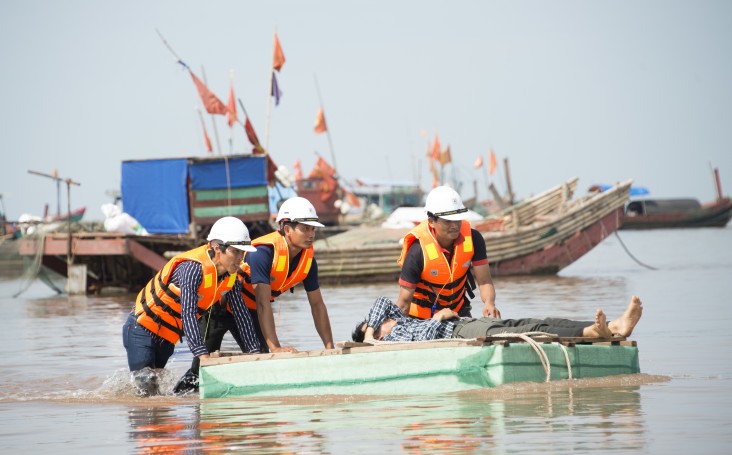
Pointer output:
x,y
298,170
320,126
445,156
206,139
212,104
493,164
253,139
478,162
276,92
435,176
278,57
231,107
436,149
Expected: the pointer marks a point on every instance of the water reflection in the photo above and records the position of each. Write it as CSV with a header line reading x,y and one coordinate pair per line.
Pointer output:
x,y
605,414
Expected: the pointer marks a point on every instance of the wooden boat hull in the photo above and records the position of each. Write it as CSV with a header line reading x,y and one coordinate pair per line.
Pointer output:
x,y
715,214
409,368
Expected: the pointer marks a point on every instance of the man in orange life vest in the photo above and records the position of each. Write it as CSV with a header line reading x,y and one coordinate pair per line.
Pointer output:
x,y
280,260
171,303
283,259
436,261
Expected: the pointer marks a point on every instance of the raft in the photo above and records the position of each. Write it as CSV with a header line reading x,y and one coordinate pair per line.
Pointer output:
x,y
415,368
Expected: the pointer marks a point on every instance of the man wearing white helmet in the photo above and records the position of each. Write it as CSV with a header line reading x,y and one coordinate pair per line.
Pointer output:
x,y
436,261
283,259
169,306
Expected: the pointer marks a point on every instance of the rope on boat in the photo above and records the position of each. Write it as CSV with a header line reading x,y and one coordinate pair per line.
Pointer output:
x,y
631,255
536,346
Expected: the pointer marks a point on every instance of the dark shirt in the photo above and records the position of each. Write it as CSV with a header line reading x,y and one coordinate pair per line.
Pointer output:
x,y
188,276
260,264
414,261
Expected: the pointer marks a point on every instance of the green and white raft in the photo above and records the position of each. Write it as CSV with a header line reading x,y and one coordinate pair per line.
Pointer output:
x,y
415,367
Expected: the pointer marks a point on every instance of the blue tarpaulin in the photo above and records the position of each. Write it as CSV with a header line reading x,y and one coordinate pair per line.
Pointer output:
x,y
243,172
634,190
154,192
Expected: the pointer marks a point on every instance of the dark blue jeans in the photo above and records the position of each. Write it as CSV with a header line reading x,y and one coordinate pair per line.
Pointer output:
x,y
143,349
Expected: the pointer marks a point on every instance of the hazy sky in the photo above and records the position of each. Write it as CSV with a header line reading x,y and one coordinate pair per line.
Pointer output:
x,y
602,90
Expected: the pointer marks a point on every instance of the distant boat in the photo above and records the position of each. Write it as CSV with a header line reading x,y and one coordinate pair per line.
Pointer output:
x,y
676,213
74,217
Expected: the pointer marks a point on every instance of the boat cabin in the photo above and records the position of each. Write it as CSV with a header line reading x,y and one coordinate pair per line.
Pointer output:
x,y
644,207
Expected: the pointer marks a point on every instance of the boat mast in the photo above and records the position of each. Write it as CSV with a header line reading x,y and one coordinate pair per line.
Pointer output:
x,y
68,182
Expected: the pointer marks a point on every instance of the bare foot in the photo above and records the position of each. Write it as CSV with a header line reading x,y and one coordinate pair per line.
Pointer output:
x,y
625,324
599,329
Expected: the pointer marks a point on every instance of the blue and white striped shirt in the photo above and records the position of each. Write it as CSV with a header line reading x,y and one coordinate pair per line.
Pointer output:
x,y
407,328
188,276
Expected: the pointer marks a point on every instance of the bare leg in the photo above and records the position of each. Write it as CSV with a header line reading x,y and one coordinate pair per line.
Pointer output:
x,y
599,329
625,324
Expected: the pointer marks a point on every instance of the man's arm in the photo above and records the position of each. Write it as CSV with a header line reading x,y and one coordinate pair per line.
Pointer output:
x,y
262,293
484,281
243,320
405,299
320,317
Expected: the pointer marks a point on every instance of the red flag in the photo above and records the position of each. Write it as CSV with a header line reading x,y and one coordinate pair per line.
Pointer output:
x,y
436,148
212,104
492,165
231,107
278,57
320,126
322,170
445,156
298,170
478,162
253,139
206,139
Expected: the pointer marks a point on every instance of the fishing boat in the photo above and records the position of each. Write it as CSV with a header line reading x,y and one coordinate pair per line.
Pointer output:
x,y
676,213
679,213
416,368
538,236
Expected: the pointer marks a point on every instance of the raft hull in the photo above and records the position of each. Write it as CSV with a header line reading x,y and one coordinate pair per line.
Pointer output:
x,y
409,368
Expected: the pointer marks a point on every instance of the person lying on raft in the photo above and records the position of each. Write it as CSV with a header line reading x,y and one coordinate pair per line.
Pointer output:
x,y
387,322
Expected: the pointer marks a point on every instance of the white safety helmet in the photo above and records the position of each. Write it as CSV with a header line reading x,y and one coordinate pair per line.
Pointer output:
x,y
444,202
299,210
232,232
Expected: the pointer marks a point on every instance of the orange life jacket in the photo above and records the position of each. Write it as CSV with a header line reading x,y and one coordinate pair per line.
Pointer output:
x,y
279,281
442,284
158,303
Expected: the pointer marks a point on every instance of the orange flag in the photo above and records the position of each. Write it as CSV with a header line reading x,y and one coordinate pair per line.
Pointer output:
x,y
278,57
353,199
298,170
445,156
478,162
320,126
436,148
492,165
212,104
231,107
435,177
206,139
